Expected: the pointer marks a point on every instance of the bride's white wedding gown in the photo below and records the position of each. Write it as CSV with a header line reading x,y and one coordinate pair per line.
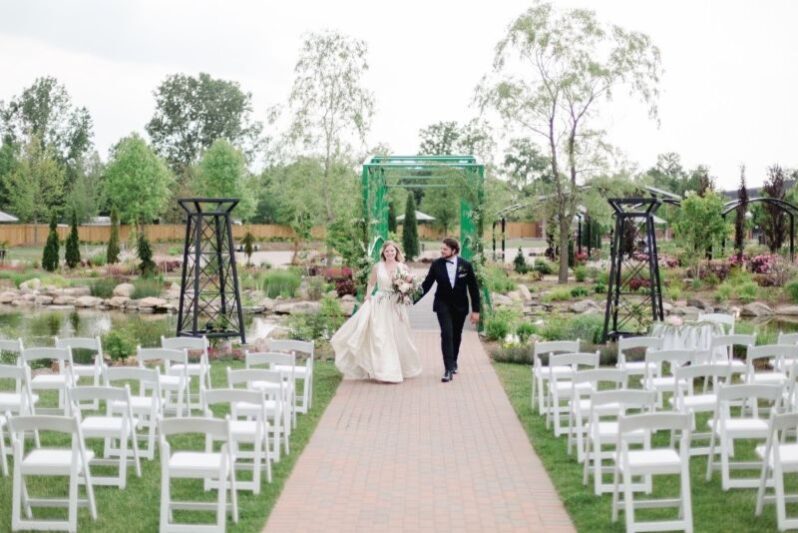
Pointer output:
x,y
376,341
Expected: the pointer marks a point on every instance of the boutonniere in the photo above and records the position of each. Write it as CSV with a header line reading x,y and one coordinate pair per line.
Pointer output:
x,y
460,269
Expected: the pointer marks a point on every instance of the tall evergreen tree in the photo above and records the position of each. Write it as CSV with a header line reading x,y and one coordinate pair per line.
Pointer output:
x,y
72,254
391,218
51,248
112,254
147,265
739,219
410,229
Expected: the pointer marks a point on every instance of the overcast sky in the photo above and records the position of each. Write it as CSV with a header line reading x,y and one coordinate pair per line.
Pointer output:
x,y
728,92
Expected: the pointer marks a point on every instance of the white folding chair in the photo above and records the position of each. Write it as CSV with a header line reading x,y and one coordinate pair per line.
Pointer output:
x,y
561,387
270,382
20,402
192,464
602,430
651,461
727,427
173,379
117,429
635,368
200,369
59,382
656,378
597,379
690,399
302,372
94,370
71,461
773,355
725,321
145,402
727,344
284,363
13,347
787,338
540,374
780,457
251,431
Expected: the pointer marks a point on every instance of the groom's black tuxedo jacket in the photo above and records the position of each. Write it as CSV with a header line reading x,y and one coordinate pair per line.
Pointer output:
x,y
465,283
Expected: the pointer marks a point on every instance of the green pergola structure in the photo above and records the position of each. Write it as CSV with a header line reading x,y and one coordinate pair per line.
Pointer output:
x,y
462,172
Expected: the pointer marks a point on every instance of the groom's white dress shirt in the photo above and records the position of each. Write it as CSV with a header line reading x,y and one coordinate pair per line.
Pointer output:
x,y
451,269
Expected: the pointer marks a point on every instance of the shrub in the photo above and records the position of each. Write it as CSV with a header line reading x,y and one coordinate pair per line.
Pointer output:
x,y
792,290
50,257
589,328
603,278
673,293
747,292
315,287
723,292
410,228
249,246
600,288
519,263
499,323
344,287
543,266
281,283
319,325
147,287
147,266
72,254
519,354
579,292
103,287
580,273
118,344
525,330
497,280
98,259
559,294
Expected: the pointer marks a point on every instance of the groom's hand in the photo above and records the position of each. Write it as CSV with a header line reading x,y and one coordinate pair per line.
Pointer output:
x,y
475,318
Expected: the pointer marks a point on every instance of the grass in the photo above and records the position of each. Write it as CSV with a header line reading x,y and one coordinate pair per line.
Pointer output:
x,y
713,509
136,509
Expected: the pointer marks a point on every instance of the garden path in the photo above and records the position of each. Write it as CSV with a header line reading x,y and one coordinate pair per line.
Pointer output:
x,y
422,455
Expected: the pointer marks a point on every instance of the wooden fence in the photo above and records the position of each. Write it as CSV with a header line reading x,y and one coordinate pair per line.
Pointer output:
x,y
36,234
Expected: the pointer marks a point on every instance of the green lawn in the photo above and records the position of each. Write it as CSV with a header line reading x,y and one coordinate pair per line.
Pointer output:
x,y
713,509
136,509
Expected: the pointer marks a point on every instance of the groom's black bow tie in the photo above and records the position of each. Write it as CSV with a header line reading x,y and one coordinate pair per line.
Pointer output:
x,y
449,261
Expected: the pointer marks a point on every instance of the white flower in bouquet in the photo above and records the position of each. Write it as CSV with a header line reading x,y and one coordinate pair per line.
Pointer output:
x,y
404,285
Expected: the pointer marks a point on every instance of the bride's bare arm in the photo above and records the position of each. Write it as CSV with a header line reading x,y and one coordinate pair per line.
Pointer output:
x,y
372,282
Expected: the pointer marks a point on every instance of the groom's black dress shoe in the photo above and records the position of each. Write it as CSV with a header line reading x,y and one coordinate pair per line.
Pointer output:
x,y
454,370
447,377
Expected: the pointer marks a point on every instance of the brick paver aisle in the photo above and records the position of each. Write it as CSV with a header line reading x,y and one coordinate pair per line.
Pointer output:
x,y
421,456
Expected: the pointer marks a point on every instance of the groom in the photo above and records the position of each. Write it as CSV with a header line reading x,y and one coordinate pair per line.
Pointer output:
x,y
454,275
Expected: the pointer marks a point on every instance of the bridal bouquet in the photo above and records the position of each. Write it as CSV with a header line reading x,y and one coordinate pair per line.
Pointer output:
x,y
404,285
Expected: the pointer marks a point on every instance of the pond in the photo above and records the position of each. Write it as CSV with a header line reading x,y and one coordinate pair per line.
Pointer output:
x,y
38,327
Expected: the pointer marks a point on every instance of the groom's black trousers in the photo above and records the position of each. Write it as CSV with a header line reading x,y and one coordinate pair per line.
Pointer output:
x,y
451,321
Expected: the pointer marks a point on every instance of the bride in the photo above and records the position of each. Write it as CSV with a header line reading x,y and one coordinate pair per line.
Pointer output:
x,y
376,341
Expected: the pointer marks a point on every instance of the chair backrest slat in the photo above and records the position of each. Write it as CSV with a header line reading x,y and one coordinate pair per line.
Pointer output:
x,y
551,347
58,424
654,422
82,343
216,428
291,345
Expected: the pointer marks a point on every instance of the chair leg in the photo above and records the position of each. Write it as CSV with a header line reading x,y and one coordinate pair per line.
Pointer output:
x,y
532,396
123,459
3,458
724,463
781,505
165,494
687,500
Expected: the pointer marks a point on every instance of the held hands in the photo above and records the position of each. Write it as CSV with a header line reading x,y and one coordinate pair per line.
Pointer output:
x,y
475,318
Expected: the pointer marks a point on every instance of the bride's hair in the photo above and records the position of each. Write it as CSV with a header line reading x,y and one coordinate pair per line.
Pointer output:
x,y
399,255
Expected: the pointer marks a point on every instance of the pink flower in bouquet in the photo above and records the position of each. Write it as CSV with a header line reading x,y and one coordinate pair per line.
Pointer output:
x,y
404,285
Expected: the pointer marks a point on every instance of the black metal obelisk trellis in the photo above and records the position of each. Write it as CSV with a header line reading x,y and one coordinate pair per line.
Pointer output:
x,y
634,295
210,302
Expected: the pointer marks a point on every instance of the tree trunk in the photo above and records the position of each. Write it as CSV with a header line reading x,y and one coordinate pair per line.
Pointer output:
x,y
565,233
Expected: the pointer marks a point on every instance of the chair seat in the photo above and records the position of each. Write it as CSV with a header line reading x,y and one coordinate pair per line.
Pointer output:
x,y
244,430
566,387
698,402
560,371
609,430
743,427
138,404
660,461
85,370
788,454
195,464
101,426
192,369
48,461
666,382
11,401
299,371
768,378
637,367
49,381
249,408
172,382
584,407
270,385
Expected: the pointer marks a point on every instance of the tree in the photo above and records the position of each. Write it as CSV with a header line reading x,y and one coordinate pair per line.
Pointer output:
x,y
36,184
86,196
144,251
112,253
191,113
700,225
391,217
775,226
137,180
249,246
440,138
524,164
444,204
50,257
410,229
45,111
739,216
72,254
551,73
329,103
223,174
